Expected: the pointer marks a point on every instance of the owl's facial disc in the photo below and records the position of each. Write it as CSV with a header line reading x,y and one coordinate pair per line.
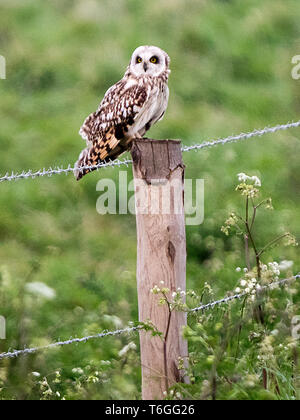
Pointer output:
x,y
150,61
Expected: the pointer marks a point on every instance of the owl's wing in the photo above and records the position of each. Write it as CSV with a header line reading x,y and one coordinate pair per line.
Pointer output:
x,y
105,129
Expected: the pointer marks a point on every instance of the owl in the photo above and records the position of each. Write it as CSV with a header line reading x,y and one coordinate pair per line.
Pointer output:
x,y
129,108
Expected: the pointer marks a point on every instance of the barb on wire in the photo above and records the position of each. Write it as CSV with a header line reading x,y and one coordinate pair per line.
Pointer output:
x,y
56,171
207,306
228,299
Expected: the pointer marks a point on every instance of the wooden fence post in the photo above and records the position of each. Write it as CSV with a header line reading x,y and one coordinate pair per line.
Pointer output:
x,y
161,259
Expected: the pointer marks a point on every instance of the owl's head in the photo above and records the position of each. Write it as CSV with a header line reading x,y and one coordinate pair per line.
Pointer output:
x,y
149,61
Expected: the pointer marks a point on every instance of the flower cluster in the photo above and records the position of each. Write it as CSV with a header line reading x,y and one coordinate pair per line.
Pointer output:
x,y
130,346
46,391
177,299
172,395
290,240
229,223
248,285
78,371
244,178
268,204
266,350
269,273
247,190
156,289
248,185
179,294
285,265
273,267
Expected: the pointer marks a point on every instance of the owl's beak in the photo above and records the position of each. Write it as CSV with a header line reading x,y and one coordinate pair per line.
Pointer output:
x,y
145,67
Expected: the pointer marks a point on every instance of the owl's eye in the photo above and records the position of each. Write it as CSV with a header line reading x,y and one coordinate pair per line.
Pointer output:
x,y
154,59
138,59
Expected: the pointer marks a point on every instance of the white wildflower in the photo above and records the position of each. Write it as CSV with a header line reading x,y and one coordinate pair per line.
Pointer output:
x,y
242,177
40,289
257,181
105,362
127,348
78,371
36,374
274,267
285,265
155,290
114,319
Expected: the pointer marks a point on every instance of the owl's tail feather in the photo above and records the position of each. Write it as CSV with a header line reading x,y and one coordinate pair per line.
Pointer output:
x,y
82,162
91,157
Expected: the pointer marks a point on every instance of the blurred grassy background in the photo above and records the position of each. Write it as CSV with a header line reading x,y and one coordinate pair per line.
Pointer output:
x,y
231,72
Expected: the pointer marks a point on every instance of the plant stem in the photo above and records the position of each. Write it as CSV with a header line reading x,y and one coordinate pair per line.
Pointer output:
x,y
247,252
240,328
259,315
272,243
252,240
265,378
254,214
165,346
259,204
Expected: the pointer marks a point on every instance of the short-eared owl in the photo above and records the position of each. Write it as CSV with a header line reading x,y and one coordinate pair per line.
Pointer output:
x,y
128,109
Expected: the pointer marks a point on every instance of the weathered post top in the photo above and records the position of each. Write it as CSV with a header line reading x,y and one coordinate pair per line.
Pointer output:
x,y
156,159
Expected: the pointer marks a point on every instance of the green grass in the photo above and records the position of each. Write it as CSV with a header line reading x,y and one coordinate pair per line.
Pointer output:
x,y
231,72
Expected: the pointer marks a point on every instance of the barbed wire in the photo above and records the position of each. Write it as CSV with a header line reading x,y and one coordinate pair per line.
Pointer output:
x,y
231,139
242,136
211,305
17,353
57,171
243,294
